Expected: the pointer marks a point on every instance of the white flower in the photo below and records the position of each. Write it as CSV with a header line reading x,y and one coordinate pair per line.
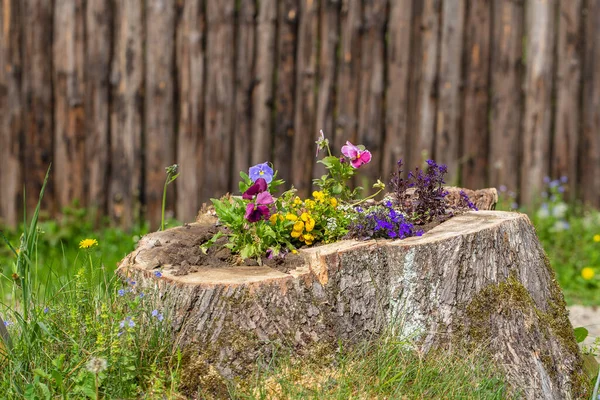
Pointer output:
x,y
559,210
96,365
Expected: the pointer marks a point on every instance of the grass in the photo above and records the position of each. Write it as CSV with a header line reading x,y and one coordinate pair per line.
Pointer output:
x,y
570,235
78,332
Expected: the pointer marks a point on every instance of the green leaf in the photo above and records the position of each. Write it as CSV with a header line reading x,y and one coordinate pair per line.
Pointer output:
x,y
42,373
329,161
337,189
580,334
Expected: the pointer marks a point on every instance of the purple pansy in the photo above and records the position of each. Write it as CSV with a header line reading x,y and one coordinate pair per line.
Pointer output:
x,y
260,185
261,171
260,210
357,156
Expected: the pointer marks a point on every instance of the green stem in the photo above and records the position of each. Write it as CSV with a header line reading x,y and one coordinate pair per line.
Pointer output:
x,y
366,198
164,203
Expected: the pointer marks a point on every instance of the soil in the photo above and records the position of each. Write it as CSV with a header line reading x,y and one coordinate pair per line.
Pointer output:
x,y
181,247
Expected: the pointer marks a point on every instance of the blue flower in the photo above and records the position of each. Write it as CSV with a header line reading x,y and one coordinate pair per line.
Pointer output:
x,y
141,295
261,171
7,323
46,309
121,292
157,274
160,317
154,313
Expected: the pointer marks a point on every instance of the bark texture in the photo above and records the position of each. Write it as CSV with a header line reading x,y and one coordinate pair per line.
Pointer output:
x,y
478,280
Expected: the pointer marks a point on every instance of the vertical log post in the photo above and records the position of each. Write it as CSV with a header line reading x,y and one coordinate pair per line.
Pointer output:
x,y
11,104
127,80
590,145
191,69
305,107
447,132
219,96
69,93
538,96
476,95
507,98
399,63
99,34
37,100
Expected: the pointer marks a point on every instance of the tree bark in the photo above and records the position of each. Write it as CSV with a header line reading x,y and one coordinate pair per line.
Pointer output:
x,y
479,280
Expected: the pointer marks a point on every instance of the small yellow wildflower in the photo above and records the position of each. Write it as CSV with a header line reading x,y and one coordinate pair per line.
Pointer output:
x,y
588,273
309,203
597,238
88,243
308,238
291,217
297,201
333,202
319,196
273,219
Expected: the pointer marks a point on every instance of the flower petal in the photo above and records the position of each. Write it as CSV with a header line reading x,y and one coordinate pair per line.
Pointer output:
x,y
264,198
350,150
365,156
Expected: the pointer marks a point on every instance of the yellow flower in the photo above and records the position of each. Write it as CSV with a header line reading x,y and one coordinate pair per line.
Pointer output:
x,y
319,196
597,238
294,251
299,226
291,217
273,218
309,203
88,243
333,202
297,201
304,217
310,224
588,273
296,234
308,238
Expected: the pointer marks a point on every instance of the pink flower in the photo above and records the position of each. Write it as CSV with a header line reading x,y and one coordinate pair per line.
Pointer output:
x,y
357,156
260,210
259,186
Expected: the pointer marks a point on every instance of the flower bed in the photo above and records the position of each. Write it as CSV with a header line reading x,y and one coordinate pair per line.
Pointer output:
x,y
258,225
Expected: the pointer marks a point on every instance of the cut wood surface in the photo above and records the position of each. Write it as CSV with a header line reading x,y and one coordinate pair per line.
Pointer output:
x,y
480,280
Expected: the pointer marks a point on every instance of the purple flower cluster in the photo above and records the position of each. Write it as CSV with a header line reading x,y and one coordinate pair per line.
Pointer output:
x,y
259,208
468,201
382,222
422,194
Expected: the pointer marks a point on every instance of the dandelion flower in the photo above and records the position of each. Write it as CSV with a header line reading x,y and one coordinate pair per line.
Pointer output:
x,y
597,238
96,365
588,273
88,243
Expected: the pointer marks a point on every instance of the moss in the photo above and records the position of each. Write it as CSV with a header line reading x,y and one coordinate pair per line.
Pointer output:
x,y
509,296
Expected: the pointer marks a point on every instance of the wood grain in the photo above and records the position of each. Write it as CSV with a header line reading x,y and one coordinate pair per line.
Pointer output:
x,y
475,116
11,117
305,105
191,67
399,62
127,81
507,94
69,106
219,93
99,36
538,96
447,132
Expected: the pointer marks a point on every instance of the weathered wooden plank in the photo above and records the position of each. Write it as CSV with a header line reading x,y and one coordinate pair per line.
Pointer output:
x,y
69,95
538,93
244,81
11,104
219,97
447,132
191,70
285,89
568,92
348,79
507,96
98,25
476,95
424,89
370,109
262,96
590,157
329,39
396,99
305,107
127,81
159,122
37,101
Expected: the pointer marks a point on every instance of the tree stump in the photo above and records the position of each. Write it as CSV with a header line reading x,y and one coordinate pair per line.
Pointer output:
x,y
480,279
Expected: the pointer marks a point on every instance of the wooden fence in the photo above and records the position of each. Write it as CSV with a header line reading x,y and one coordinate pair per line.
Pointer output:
x,y
504,92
